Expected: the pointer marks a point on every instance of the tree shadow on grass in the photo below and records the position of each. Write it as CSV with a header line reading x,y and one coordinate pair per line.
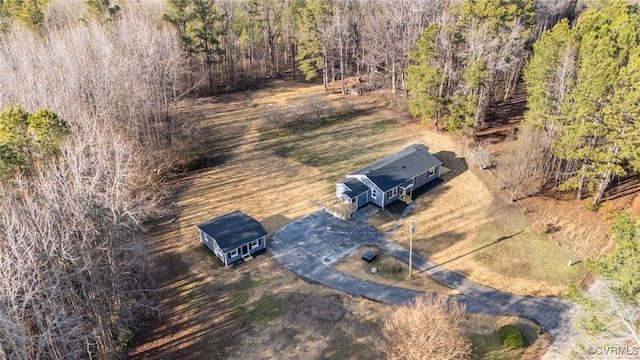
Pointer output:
x,y
498,240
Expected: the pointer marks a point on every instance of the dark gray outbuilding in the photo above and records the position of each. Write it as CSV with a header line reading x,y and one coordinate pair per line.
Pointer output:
x,y
233,236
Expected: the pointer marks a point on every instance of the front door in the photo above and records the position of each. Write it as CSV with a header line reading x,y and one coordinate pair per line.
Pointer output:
x,y
245,249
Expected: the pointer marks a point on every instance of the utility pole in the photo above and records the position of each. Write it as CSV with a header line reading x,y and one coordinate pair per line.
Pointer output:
x,y
412,228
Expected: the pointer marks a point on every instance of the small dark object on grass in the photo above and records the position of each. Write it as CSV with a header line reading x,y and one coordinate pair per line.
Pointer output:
x,y
369,256
395,268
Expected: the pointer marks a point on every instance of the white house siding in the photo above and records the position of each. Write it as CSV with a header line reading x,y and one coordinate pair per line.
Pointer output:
x,y
341,188
365,180
378,200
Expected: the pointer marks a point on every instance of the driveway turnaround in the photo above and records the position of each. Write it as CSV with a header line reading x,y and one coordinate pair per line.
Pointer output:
x,y
311,245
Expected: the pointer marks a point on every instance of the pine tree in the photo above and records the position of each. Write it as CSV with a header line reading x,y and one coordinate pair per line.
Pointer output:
x,y
550,76
103,9
623,265
607,36
477,49
14,134
28,13
199,24
313,18
26,139
425,79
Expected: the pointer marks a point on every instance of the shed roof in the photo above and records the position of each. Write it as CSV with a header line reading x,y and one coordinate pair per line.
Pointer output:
x,y
399,167
233,230
355,186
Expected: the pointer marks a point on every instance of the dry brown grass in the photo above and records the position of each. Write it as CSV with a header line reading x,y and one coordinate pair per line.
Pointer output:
x,y
274,175
386,274
279,174
584,233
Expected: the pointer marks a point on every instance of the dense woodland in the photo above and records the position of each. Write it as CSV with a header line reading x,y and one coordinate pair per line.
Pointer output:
x,y
87,131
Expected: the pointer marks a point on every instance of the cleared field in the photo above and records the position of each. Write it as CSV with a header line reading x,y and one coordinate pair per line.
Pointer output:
x,y
275,154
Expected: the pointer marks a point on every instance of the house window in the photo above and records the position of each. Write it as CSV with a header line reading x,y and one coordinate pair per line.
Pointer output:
x,y
233,253
374,193
394,191
432,171
254,244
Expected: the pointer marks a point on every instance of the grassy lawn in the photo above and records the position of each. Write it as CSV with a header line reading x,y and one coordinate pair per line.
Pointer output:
x,y
390,271
280,172
265,308
470,230
488,347
483,333
466,226
526,255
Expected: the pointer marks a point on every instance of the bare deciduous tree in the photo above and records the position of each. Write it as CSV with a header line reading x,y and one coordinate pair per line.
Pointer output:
x,y
73,268
429,328
74,271
524,166
129,71
605,320
480,155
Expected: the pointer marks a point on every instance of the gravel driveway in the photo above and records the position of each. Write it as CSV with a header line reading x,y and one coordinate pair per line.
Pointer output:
x,y
311,245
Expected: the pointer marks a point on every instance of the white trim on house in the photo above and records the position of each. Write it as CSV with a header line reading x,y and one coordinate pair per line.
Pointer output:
x,y
385,178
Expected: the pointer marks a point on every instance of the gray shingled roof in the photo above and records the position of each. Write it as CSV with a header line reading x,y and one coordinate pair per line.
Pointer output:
x,y
233,230
399,167
356,187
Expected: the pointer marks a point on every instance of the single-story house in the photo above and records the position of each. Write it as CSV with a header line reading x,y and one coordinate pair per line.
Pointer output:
x,y
233,236
394,177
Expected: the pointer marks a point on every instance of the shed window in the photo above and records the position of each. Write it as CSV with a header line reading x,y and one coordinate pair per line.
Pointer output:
x,y
432,171
254,244
233,253
374,193
394,191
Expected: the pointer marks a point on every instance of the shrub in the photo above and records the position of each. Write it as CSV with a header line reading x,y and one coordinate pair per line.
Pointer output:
x,y
431,327
511,336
